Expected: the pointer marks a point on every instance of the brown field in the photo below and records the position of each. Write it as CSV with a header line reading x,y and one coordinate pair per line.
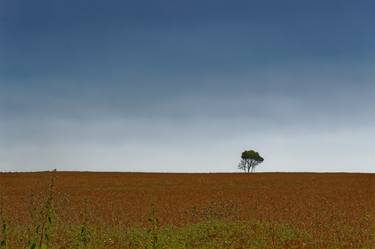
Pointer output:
x,y
335,210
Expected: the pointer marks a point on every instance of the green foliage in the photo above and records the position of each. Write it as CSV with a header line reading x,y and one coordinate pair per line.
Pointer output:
x,y
153,231
4,226
251,154
32,245
41,237
4,240
249,160
84,232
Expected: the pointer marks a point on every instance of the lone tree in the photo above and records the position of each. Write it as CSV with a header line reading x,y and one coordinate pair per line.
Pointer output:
x,y
249,160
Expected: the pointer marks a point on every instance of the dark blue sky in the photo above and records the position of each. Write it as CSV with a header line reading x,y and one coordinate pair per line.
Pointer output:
x,y
186,85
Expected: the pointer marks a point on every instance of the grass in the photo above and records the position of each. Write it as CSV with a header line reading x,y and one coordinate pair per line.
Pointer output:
x,y
204,235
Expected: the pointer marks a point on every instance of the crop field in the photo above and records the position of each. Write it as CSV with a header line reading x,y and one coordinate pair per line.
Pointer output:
x,y
154,210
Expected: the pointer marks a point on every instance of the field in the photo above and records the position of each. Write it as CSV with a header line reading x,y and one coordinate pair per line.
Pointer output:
x,y
145,210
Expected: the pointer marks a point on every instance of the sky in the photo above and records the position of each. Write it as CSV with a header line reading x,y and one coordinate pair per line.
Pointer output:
x,y
186,86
